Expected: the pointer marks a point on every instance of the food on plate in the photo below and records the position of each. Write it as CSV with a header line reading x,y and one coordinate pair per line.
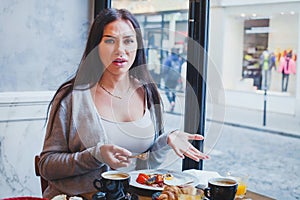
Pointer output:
x,y
168,176
179,192
154,180
64,197
142,178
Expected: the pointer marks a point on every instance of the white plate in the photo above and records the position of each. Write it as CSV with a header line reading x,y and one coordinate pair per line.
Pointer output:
x,y
179,178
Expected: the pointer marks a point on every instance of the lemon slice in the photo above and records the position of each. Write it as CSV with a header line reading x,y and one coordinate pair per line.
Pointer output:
x,y
168,177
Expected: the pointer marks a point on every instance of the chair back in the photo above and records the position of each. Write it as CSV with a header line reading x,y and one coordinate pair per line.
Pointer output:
x,y
44,183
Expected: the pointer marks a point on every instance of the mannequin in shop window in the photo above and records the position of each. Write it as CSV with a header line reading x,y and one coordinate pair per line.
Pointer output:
x,y
267,63
287,66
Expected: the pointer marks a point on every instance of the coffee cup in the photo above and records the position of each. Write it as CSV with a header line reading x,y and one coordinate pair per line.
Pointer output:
x,y
114,184
221,189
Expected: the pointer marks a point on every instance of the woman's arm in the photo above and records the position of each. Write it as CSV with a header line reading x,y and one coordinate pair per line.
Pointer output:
x,y
180,143
64,155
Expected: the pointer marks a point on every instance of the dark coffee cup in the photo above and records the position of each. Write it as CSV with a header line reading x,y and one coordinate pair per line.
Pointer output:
x,y
221,189
114,184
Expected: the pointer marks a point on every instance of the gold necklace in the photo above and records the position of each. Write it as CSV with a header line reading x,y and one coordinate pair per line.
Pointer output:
x,y
111,94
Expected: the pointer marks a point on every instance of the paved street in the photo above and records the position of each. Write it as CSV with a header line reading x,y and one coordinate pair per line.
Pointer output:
x,y
272,161
270,154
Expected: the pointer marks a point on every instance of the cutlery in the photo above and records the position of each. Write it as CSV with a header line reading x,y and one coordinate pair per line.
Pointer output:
x,y
142,156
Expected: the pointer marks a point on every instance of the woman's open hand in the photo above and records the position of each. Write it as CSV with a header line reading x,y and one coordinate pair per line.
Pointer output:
x,y
115,156
180,142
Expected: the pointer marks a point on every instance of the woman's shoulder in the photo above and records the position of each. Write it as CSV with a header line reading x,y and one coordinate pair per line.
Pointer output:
x,y
63,95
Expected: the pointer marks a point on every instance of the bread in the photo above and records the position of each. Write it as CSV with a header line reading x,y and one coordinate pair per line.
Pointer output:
x,y
173,192
163,196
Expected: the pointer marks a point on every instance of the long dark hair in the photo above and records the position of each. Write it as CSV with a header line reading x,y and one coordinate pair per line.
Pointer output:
x,y
91,67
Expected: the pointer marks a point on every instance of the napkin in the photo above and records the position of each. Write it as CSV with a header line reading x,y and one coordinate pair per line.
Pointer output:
x,y
202,176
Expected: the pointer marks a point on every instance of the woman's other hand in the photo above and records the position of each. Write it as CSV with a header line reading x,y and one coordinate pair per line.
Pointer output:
x,y
115,156
180,142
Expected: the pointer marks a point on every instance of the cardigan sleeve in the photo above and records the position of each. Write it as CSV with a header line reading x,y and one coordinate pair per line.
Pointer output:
x,y
64,155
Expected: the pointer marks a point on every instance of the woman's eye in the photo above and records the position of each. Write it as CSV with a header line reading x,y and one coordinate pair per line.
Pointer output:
x,y
109,41
129,41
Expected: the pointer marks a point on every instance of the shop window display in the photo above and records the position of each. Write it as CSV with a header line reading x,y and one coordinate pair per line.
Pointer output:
x,y
261,63
255,43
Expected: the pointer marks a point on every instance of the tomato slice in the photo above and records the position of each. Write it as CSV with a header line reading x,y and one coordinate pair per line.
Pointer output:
x,y
142,178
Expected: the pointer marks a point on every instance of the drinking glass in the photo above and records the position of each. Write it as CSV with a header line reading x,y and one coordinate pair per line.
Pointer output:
x,y
198,195
242,180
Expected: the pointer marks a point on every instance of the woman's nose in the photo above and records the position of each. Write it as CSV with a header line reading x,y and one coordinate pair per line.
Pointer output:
x,y
120,48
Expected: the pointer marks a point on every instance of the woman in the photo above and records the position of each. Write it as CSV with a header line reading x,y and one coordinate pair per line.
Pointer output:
x,y
110,110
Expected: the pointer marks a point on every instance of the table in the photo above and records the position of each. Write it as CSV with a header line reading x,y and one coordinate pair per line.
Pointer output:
x,y
203,176
146,195
250,195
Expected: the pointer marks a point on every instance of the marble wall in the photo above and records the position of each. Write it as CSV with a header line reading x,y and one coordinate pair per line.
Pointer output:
x,y
41,44
21,136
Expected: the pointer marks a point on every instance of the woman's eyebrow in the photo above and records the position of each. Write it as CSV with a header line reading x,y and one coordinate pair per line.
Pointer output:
x,y
126,36
129,36
109,36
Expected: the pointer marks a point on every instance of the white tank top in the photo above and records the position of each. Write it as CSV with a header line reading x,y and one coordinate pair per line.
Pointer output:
x,y
136,136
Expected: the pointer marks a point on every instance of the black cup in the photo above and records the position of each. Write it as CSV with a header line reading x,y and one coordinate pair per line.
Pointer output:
x,y
221,189
114,184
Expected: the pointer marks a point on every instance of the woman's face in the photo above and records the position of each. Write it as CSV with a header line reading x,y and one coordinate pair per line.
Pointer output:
x,y
118,46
